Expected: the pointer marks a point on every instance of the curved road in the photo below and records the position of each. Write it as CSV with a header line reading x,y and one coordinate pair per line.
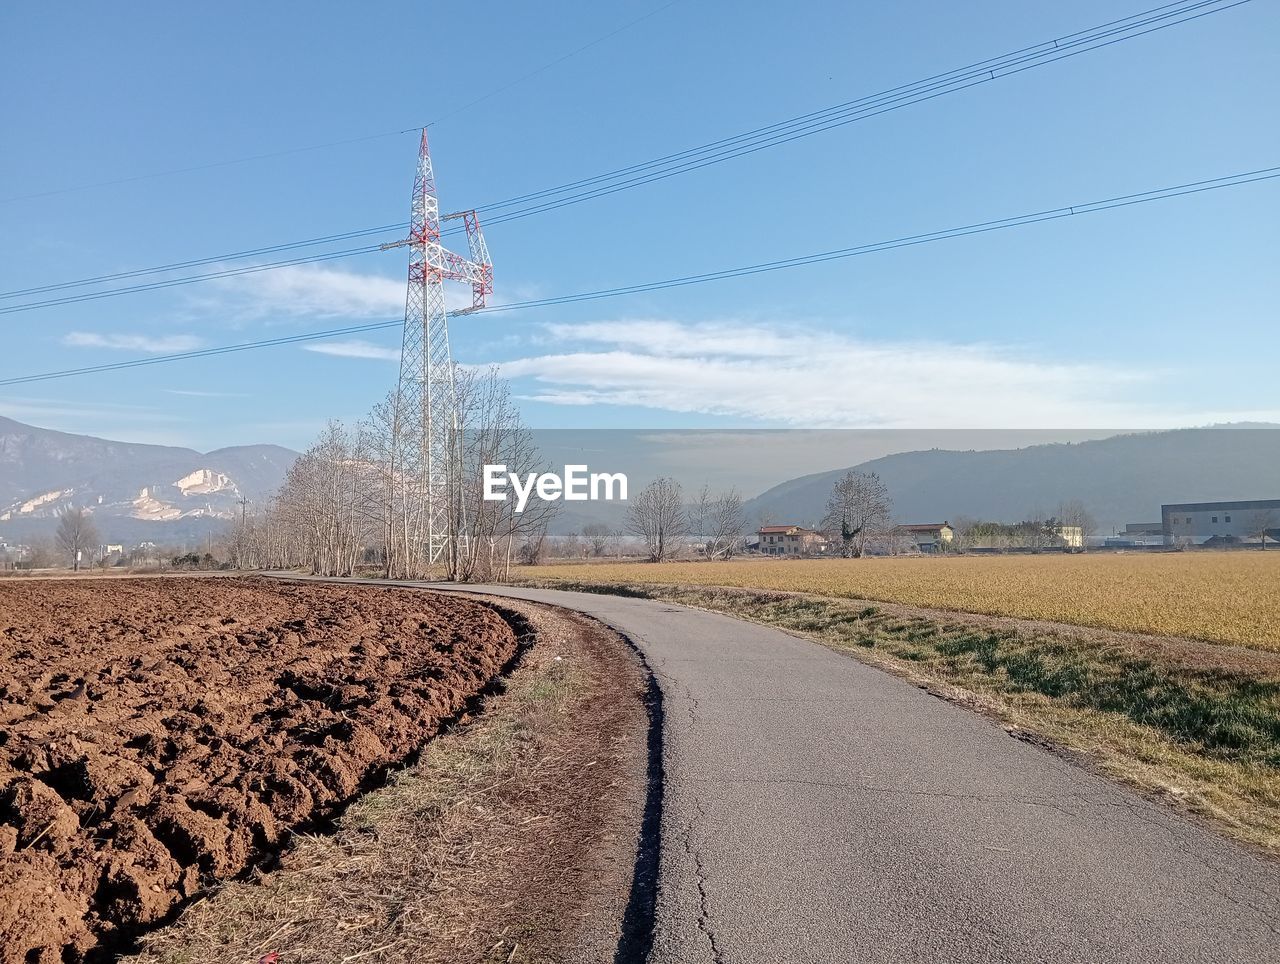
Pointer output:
x,y
816,809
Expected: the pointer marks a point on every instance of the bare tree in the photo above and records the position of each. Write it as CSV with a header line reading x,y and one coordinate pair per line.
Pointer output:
x,y
348,501
657,516
1073,512
963,533
597,537
493,434
387,501
1262,523
41,553
1038,533
858,508
697,518
719,522
319,514
76,535
533,544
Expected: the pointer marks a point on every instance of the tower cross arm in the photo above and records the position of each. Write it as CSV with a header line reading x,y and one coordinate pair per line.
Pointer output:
x,y
457,268
477,270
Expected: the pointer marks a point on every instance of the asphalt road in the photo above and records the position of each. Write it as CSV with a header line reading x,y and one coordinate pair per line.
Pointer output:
x,y
818,810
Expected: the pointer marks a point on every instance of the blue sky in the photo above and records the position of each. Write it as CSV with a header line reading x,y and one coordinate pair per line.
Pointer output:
x,y
1156,315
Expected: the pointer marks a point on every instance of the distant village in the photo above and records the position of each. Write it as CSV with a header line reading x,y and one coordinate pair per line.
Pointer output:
x,y
1204,525
1182,525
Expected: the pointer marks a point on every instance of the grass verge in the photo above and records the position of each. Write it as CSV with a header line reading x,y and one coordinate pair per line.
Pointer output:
x,y
1194,723
510,839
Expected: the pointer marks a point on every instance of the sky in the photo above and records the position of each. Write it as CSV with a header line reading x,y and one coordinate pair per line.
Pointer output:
x,y
1155,315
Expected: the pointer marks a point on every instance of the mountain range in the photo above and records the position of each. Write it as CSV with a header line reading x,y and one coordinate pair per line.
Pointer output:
x,y
1120,479
136,492
166,494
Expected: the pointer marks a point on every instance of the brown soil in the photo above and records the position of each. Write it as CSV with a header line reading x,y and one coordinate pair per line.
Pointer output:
x,y
527,836
156,735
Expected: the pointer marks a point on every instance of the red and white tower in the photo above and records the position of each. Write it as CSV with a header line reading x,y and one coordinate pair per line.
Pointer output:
x,y
428,431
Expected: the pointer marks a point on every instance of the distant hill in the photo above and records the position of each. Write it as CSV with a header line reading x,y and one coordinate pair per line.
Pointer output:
x,y
136,492
1124,478
165,494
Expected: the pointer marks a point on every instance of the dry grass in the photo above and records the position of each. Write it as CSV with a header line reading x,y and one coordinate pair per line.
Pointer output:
x,y
1228,597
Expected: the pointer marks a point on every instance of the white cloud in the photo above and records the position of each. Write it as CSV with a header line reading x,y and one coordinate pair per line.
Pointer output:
x,y
671,338
308,291
355,349
150,344
804,376
303,290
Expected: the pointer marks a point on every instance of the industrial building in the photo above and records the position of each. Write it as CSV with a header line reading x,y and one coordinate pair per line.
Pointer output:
x,y
1220,523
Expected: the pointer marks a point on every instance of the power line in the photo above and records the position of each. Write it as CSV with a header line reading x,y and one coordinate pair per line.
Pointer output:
x,y
205,352
215,259
671,165
347,140
192,279
1068,45
1160,194
982,227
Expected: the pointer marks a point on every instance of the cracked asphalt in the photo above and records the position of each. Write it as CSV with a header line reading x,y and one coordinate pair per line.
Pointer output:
x,y
816,809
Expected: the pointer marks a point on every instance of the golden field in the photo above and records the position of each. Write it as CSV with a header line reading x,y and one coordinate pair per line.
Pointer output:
x,y
1229,597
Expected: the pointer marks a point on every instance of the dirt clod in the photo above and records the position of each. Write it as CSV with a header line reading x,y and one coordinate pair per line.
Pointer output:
x,y
157,735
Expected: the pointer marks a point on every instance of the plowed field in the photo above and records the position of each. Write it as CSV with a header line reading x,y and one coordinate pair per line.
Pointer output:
x,y
157,735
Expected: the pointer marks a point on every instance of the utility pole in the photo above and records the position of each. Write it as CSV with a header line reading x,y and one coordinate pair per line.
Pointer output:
x,y
427,430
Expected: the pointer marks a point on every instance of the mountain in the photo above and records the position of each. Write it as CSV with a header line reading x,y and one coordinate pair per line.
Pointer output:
x,y
136,492
164,494
1121,479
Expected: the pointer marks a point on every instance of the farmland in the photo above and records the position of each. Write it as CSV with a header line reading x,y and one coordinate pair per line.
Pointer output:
x,y
511,837
1225,597
1161,704
164,734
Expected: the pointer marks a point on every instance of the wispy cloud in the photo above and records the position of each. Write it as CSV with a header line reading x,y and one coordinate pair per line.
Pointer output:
x,y
798,375
309,291
149,344
674,339
354,349
193,393
96,417
315,292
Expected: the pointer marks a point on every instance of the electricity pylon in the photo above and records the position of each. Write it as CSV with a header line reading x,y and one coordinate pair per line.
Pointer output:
x,y
429,437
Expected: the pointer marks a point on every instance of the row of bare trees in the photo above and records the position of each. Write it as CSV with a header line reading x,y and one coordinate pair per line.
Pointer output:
x,y
664,525
348,503
859,513
1070,525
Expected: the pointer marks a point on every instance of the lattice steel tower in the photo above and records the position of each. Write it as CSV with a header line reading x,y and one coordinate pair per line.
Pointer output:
x,y
428,429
